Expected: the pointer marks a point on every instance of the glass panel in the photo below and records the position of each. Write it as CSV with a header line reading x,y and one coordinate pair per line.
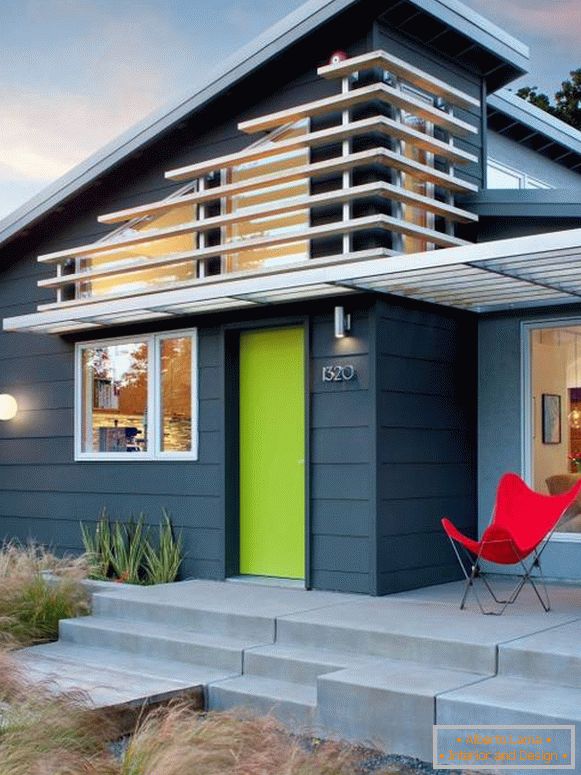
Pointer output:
x,y
533,183
133,282
115,389
502,177
556,415
176,394
417,215
269,225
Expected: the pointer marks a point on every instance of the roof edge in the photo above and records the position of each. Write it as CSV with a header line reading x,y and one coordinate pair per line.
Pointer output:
x,y
268,44
539,120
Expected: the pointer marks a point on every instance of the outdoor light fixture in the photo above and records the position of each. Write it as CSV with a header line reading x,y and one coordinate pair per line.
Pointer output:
x,y
342,323
8,407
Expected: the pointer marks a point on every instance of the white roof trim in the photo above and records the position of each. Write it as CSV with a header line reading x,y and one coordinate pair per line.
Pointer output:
x,y
504,274
281,35
532,116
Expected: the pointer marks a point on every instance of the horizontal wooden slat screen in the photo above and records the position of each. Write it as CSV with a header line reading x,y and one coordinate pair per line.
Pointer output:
x,y
327,230
375,124
407,72
377,91
390,172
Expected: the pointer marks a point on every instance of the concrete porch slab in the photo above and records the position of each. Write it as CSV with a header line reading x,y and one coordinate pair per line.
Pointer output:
x,y
422,631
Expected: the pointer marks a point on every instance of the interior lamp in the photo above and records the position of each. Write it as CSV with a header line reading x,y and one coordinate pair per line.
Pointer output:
x,y
342,323
575,419
8,407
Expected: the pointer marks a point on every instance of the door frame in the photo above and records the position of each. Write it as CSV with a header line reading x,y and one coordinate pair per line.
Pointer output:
x,y
231,355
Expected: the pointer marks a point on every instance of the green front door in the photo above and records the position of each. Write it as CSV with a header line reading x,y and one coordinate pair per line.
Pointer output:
x,y
272,452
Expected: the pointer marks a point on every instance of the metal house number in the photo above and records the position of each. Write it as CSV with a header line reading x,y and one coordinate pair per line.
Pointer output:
x,y
339,373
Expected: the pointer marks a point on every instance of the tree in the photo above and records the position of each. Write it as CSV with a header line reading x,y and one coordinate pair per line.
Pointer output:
x,y
567,101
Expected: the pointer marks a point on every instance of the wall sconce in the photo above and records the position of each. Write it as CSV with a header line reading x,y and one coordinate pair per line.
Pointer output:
x,y
8,407
342,323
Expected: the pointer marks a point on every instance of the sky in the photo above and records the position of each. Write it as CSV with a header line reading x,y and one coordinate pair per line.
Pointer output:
x,y
74,74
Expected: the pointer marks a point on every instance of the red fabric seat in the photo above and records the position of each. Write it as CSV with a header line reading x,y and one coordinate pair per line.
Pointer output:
x,y
521,521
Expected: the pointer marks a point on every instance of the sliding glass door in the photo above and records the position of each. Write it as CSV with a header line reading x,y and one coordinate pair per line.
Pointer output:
x,y
553,427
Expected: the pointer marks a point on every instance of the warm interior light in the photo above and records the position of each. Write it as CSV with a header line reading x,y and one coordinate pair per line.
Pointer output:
x,y
575,419
8,407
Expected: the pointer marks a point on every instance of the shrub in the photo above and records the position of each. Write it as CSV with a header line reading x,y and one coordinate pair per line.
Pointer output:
x,y
31,604
124,551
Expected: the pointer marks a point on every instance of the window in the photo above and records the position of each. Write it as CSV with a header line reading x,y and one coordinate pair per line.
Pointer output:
x,y
418,216
554,442
501,176
136,398
267,225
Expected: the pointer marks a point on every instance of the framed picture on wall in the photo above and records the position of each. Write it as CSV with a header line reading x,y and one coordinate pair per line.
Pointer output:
x,y
551,418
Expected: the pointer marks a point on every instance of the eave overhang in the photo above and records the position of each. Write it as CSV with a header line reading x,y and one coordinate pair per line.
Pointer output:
x,y
525,203
538,270
534,128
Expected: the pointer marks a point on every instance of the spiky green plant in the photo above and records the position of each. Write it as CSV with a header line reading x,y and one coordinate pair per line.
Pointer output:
x,y
162,562
98,547
128,547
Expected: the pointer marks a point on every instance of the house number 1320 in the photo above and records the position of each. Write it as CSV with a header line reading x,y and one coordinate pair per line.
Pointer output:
x,y
338,373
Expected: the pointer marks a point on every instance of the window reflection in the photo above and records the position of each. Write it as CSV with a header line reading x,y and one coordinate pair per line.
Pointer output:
x,y
115,386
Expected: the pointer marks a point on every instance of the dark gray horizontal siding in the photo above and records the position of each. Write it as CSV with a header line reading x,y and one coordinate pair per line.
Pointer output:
x,y
426,440
341,457
419,514
45,494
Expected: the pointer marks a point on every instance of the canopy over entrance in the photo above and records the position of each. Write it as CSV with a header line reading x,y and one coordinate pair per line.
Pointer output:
x,y
530,271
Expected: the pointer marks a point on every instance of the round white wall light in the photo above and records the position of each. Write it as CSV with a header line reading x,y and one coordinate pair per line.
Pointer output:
x,y
8,407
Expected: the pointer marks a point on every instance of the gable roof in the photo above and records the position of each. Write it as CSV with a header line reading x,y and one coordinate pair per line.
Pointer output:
x,y
506,58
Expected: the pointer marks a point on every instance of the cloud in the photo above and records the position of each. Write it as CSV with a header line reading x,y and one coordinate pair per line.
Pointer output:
x,y
46,131
557,21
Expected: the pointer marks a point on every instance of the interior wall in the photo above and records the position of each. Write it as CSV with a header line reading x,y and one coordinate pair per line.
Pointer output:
x,y
548,376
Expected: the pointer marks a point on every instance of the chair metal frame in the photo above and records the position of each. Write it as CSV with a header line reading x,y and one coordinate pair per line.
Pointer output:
x,y
472,570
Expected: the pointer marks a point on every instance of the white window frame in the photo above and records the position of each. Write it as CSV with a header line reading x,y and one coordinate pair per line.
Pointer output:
x,y
154,407
527,406
523,178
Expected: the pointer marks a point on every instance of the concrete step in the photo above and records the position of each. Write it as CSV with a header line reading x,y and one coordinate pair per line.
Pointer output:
x,y
553,655
64,657
109,684
294,704
132,604
506,700
390,704
294,663
151,639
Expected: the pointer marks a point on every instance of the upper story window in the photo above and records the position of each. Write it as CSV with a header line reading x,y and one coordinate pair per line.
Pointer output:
x,y
417,216
136,398
502,176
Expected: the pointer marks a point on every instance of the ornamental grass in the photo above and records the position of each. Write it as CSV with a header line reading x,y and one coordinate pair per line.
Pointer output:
x,y
45,733
38,589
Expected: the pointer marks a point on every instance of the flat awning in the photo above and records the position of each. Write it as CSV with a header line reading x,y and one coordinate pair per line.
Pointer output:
x,y
530,271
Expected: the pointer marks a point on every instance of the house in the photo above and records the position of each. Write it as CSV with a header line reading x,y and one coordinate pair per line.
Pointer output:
x,y
309,309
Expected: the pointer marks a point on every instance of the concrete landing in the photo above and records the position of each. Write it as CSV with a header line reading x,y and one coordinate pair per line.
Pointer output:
x,y
379,671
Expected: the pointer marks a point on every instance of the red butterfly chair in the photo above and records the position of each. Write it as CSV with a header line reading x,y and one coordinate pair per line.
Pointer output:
x,y
522,523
